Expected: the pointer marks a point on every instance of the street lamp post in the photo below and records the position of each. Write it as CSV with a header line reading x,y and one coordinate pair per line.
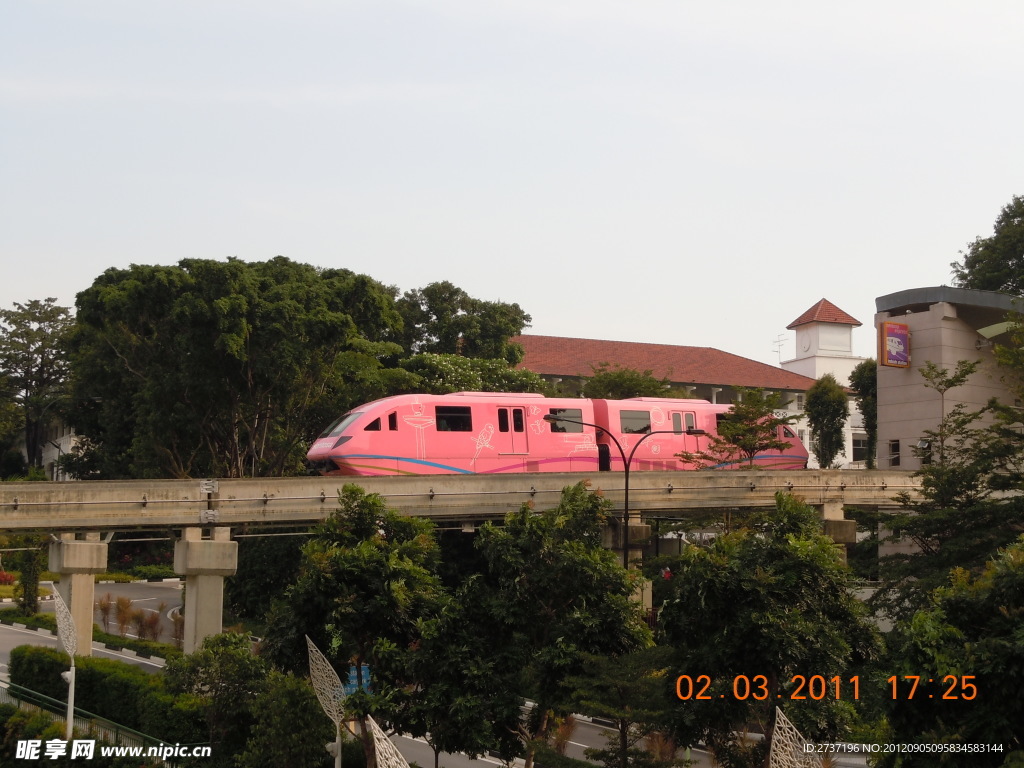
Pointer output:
x,y
626,463
329,692
69,639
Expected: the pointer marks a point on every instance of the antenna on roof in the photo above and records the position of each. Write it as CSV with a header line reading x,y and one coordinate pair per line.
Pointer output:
x,y
777,345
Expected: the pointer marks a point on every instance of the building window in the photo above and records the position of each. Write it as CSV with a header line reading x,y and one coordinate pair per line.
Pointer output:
x,y
860,447
799,401
894,453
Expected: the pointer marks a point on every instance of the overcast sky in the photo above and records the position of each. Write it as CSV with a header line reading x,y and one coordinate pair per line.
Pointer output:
x,y
679,172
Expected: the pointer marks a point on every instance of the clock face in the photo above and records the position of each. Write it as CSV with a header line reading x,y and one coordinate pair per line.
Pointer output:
x,y
805,343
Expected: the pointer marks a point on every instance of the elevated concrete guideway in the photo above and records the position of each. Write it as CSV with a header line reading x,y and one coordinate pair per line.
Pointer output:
x,y
161,504
81,516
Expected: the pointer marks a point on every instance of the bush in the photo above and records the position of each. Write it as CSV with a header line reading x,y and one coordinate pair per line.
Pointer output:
x,y
120,692
30,620
153,572
39,668
7,577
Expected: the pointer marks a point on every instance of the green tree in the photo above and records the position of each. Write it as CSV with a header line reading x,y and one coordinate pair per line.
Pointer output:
x,y
33,360
827,412
223,369
996,263
748,428
267,564
289,729
366,592
458,704
556,594
30,562
768,603
440,374
444,319
958,521
228,677
864,383
629,691
608,383
11,461
966,654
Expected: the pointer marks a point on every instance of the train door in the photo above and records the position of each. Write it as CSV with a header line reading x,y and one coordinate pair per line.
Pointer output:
x,y
511,436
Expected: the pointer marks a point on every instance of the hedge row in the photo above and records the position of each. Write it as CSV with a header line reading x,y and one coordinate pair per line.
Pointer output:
x,y
21,724
119,692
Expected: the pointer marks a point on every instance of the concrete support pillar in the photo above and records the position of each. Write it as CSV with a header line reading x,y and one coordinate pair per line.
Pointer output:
x,y
204,563
842,532
830,510
639,534
77,560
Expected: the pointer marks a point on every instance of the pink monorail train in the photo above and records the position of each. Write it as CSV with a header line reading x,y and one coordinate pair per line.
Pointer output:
x,y
479,432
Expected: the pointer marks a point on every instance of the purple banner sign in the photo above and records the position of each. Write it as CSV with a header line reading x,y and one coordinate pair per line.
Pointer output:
x,y
894,342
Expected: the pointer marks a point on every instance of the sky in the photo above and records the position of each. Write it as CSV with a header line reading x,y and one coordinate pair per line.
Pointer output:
x,y
694,173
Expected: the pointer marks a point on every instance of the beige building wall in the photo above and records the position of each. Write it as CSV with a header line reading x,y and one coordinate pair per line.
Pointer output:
x,y
946,325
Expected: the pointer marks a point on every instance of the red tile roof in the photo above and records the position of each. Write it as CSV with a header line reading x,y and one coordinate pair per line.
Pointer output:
x,y
824,312
560,356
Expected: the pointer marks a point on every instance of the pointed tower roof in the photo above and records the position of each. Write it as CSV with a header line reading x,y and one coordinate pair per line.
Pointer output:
x,y
824,312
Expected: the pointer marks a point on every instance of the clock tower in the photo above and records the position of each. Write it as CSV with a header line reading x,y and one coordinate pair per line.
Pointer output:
x,y
824,343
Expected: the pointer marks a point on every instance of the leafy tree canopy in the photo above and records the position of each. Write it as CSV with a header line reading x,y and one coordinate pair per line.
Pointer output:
x,y
34,366
963,514
864,383
996,263
228,676
769,602
969,635
223,368
748,428
442,373
617,383
367,594
290,727
444,319
555,594
827,412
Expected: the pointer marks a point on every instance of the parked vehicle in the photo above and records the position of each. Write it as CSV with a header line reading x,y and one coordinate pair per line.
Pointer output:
x,y
480,432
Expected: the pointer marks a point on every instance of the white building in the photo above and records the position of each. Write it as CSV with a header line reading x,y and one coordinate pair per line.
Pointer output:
x,y
824,344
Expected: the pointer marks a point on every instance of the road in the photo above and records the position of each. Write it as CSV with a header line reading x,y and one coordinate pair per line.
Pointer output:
x,y
11,637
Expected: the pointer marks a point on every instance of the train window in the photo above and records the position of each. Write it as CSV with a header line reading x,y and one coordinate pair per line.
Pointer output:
x,y
635,422
691,421
453,418
393,421
340,425
566,426
787,432
517,420
503,419
373,426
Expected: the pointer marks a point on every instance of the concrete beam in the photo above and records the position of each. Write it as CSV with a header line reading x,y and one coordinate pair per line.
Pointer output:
x,y
171,504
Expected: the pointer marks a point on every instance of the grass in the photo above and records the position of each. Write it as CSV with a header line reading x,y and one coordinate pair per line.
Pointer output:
x,y
7,591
